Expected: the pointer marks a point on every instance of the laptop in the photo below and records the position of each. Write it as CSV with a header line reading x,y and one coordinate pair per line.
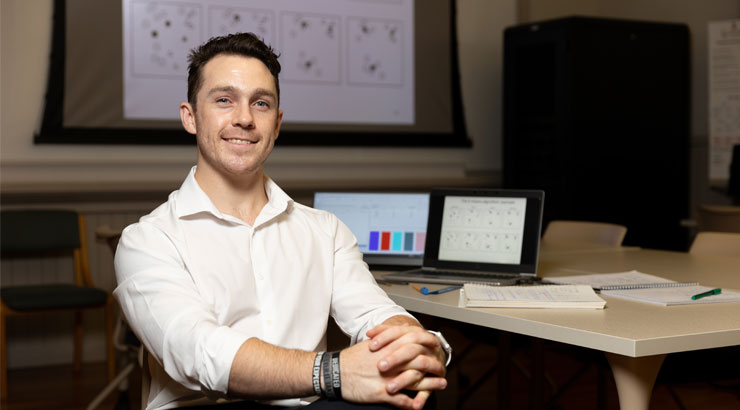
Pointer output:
x,y
480,235
390,227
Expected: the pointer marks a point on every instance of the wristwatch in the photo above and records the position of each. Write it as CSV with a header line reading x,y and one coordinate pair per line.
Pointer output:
x,y
445,345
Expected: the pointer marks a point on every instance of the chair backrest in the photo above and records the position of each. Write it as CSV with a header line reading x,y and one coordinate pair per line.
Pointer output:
x,y
32,232
585,232
718,218
38,231
716,244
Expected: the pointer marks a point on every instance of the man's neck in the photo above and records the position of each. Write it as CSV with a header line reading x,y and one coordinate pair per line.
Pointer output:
x,y
240,196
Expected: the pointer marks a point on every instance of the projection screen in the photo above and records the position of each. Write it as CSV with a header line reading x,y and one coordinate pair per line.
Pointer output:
x,y
354,72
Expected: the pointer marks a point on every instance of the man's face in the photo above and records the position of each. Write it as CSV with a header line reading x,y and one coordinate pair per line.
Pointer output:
x,y
237,119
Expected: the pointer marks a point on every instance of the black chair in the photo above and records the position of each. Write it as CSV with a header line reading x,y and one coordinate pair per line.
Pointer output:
x,y
40,234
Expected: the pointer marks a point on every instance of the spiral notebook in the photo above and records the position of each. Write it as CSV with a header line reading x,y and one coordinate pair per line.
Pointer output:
x,y
643,287
619,281
677,295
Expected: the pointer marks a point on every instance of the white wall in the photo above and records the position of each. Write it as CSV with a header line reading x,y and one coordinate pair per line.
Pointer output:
x,y
26,167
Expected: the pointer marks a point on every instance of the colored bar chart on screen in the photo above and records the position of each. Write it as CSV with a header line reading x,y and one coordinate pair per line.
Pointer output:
x,y
386,224
421,238
397,241
408,241
374,239
392,241
385,243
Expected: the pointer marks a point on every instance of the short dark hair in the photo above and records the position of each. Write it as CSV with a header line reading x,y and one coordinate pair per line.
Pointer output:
x,y
242,44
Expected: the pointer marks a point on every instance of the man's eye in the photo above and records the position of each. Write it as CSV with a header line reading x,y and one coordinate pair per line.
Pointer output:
x,y
222,100
262,104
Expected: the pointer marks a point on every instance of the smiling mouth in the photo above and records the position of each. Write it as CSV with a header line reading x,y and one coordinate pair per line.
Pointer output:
x,y
238,141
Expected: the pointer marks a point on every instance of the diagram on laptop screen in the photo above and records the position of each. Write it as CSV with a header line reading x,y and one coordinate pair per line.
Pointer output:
x,y
487,230
390,224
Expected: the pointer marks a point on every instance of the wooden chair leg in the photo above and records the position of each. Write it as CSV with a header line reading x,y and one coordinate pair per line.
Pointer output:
x,y
78,342
110,348
3,358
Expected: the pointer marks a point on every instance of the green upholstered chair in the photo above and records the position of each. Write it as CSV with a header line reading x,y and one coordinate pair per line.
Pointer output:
x,y
44,233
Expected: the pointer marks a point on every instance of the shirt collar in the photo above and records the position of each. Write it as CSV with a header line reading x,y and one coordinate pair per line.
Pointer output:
x,y
191,200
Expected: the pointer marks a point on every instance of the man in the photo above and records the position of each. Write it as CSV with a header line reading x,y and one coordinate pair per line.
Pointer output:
x,y
229,284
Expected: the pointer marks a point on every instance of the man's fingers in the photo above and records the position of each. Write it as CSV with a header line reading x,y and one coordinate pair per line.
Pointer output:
x,y
420,400
432,383
427,364
415,380
401,335
415,357
376,330
384,335
400,357
401,400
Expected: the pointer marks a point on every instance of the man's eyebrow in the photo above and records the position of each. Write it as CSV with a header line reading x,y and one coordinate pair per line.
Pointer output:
x,y
259,92
264,92
222,89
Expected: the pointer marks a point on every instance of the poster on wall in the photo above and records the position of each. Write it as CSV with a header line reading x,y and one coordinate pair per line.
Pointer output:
x,y
724,96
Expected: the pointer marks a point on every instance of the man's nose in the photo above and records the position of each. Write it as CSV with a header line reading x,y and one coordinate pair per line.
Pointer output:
x,y
243,117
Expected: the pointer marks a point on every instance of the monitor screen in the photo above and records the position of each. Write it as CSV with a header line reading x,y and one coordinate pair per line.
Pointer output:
x,y
480,229
390,227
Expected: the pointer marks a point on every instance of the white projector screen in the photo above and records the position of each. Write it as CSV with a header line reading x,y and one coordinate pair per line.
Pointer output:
x,y
355,57
354,72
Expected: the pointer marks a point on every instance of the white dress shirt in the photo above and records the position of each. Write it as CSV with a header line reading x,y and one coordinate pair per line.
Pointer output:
x,y
194,284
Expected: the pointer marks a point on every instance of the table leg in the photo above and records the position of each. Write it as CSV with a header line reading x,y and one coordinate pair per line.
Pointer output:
x,y
538,374
504,373
635,377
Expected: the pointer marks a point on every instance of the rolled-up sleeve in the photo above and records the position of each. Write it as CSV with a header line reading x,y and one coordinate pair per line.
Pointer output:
x,y
162,305
358,303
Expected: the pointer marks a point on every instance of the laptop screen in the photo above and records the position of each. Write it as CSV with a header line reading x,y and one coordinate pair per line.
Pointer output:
x,y
390,227
484,230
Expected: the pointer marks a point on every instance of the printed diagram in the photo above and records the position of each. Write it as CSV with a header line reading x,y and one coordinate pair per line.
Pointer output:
x,y
163,34
374,52
310,48
228,20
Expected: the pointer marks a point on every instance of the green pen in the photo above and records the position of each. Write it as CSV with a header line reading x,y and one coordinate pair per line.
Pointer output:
x,y
715,291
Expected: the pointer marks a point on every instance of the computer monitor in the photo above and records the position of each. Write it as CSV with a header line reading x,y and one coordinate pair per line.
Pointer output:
x,y
390,227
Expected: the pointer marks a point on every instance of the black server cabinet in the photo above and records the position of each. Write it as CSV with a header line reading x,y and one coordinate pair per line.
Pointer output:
x,y
597,113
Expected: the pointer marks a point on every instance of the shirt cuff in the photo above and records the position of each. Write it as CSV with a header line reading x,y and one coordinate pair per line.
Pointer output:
x,y
218,358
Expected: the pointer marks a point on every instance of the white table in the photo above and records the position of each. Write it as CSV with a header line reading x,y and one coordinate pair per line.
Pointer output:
x,y
635,336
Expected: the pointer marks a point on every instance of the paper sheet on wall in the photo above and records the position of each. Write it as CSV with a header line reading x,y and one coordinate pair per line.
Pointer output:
x,y
724,96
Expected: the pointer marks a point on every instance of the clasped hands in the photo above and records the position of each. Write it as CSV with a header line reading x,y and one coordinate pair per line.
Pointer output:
x,y
395,358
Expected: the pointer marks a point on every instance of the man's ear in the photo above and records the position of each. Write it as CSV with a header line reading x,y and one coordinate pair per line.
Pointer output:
x,y
187,116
